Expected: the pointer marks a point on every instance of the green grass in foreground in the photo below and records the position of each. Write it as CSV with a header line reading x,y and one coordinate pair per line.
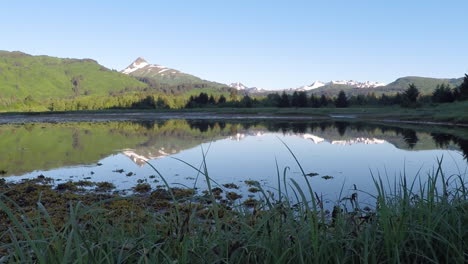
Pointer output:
x,y
406,226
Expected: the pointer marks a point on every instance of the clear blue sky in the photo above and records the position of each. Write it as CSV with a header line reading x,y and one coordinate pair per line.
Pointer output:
x,y
268,44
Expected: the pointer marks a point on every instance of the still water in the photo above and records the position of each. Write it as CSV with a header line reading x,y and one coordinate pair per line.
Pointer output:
x,y
343,155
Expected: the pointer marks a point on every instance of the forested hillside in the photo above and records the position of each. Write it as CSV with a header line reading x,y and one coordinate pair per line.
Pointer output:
x,y
42,83
41,77
425,85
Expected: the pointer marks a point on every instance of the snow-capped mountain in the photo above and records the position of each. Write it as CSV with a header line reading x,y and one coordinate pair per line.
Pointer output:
x,y
254,90
163,75
168,79
248,90
238,86
366,84
142,66
314,85
318,84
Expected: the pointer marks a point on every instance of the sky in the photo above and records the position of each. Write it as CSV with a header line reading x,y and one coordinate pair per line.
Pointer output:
x,y
266,44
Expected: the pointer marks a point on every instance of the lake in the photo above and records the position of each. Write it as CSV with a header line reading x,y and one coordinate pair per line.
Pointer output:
x,y
341,155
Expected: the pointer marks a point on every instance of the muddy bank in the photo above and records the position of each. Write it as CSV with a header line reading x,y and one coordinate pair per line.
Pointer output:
x,y
431,123
154,116
135,116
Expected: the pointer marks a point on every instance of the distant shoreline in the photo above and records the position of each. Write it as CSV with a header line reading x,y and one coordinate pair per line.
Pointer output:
x,y
385,115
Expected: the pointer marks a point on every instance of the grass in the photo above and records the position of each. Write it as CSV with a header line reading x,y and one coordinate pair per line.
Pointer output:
x,y
446,113
44,77
411,222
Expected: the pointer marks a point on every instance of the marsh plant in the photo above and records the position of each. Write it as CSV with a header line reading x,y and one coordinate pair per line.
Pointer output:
x,y
418,221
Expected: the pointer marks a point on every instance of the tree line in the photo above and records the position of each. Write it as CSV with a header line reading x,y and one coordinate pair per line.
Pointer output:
x,y
411,97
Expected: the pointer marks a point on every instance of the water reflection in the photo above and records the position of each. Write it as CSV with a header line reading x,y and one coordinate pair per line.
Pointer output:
x,y
410,137
30,147
445,140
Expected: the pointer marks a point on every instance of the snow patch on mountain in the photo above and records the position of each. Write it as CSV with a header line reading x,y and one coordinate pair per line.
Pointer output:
x,y
314,85
248,90
318,84
366,84
139,63
238,86
142,64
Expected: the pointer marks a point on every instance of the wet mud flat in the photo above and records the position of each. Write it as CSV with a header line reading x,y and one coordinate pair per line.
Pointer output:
x,y
136,116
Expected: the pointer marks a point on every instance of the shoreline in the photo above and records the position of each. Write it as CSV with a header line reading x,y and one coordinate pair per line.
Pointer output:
x,y
104,116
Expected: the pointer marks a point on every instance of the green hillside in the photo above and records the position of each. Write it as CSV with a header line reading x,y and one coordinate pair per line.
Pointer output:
x,y
176,78
424,84
42,83
41,77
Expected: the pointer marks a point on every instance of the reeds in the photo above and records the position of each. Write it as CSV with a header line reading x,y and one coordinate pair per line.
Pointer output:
x,y
422,221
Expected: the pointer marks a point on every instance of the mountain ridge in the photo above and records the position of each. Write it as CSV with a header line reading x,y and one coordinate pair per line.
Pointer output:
x,y
426,85
45,77
159,75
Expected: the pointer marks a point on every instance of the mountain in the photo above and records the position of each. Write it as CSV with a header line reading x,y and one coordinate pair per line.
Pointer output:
x,y
44,77
248,90
424,84
314,85
255,90
141,68
238,86
350,83
330,88
366,84
167,79
350,87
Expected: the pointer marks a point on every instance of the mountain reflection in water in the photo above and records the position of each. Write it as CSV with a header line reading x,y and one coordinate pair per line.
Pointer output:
x,y
43,146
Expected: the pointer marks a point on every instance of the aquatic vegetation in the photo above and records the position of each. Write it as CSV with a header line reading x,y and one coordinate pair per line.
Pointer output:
x,y
230,186
142,188
250,202
104,186
67,186
217,190
233,196
161,194
182,193
84,183
216,193
408,222
253,190
251,183
41,179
